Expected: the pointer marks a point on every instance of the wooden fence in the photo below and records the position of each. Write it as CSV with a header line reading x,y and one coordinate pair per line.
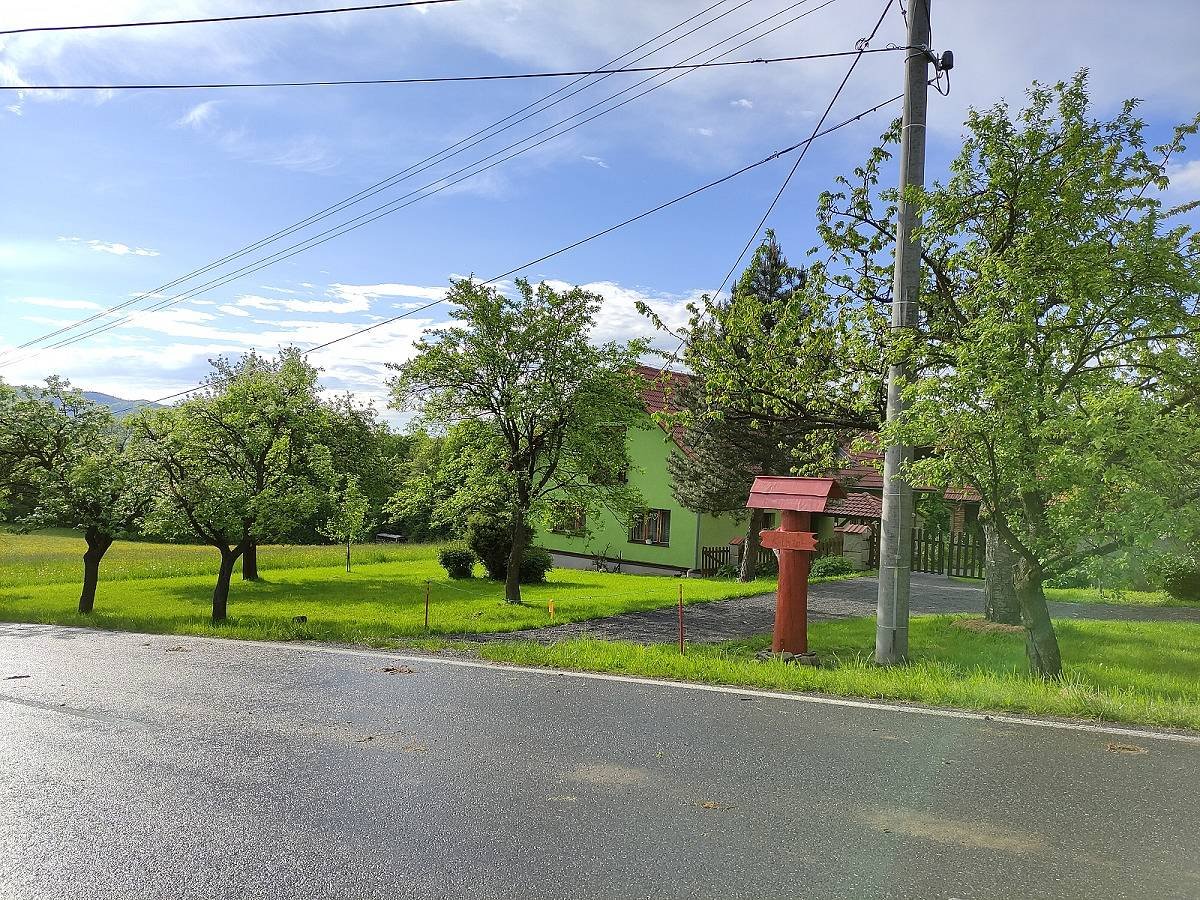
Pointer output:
x,y
958,553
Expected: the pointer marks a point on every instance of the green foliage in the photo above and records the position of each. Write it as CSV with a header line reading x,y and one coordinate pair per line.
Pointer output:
x,y
458,560
240,461
71,456
348,523
824,566
537,407
490,539
535,563
1054,363
1181,578
784,371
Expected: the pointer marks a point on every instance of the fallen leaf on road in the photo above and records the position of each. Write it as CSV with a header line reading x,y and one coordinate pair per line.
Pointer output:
x,y
13,677
178,650
364,739
398,670
415,748
711,804
1113,747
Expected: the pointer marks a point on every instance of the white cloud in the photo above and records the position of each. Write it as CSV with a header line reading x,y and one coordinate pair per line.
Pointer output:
x,y
1185,179
199,115
56,303
114,247
743,103
597,160
233,310
704,132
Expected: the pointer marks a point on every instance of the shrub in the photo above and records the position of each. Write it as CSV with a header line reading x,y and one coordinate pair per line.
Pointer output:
x,y
1181,578
1073,579
491,539
534,565
458,560
824,566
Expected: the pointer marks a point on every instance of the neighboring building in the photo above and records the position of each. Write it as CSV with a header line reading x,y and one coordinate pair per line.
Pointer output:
x,y
666,538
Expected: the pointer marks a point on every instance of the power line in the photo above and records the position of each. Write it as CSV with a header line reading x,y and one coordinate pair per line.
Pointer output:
x,y
432,80
862,48
474,139
584,240
432,187
244,18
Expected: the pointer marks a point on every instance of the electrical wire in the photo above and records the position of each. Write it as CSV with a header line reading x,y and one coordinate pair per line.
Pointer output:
x,y
212,19
862,46
584,240
430,80
436,186
460,146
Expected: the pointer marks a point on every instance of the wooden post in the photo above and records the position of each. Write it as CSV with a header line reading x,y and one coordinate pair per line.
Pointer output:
x,y
681,636
791,606
426,604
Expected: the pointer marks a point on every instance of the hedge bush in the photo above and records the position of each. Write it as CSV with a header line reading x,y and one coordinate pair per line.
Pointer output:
x,y
534,565
1181,579
458,560
824,566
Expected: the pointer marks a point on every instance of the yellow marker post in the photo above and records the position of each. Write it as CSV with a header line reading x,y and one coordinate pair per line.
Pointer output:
x,y
550,608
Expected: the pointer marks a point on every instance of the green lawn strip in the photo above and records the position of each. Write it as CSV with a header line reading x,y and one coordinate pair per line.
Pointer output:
x,y
1144,673
1122,597
1103,595
56,556
372,603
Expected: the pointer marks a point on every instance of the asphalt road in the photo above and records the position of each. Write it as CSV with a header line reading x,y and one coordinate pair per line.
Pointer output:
x,y
166,767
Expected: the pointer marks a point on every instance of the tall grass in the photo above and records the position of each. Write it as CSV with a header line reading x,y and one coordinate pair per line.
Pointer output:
x,y
1135,672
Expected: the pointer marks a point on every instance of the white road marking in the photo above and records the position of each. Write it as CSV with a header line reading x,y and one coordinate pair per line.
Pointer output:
x,y
1093,728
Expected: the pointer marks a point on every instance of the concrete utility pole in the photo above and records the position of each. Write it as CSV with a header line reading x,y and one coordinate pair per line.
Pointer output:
x,y
895,540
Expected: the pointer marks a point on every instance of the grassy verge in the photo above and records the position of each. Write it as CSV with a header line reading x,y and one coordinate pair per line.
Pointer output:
x,y
377,601
1141,673
55,555
1122,597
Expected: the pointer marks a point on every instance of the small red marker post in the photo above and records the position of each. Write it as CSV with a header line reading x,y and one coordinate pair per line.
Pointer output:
x,y
427,604
681,617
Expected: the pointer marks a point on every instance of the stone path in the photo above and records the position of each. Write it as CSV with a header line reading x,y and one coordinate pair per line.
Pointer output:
x,y
725,620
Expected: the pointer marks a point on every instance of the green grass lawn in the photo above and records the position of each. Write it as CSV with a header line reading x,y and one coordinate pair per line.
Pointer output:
x,y
1111,595
167,589
1135,672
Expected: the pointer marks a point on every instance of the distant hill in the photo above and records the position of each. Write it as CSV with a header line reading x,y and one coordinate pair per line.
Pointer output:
x,y
116,403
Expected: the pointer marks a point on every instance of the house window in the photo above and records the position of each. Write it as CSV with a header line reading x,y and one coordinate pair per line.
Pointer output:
x,y
651,526
570,520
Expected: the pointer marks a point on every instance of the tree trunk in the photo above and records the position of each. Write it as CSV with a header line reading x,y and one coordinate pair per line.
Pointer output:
x,y
220,600
749,567
1041,645
512,578
1000,601
347,554
97,545
250,562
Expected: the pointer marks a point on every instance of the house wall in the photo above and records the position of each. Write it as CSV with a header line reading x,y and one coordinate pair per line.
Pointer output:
x,y
649,448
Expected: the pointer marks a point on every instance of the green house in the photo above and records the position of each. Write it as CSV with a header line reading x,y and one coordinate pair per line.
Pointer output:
x,y
663,537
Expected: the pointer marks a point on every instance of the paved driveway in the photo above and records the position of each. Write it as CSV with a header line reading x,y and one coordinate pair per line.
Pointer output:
x,y
725,620
173,768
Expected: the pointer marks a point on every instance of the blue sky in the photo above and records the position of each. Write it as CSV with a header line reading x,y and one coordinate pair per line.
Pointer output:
x,y
110,195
